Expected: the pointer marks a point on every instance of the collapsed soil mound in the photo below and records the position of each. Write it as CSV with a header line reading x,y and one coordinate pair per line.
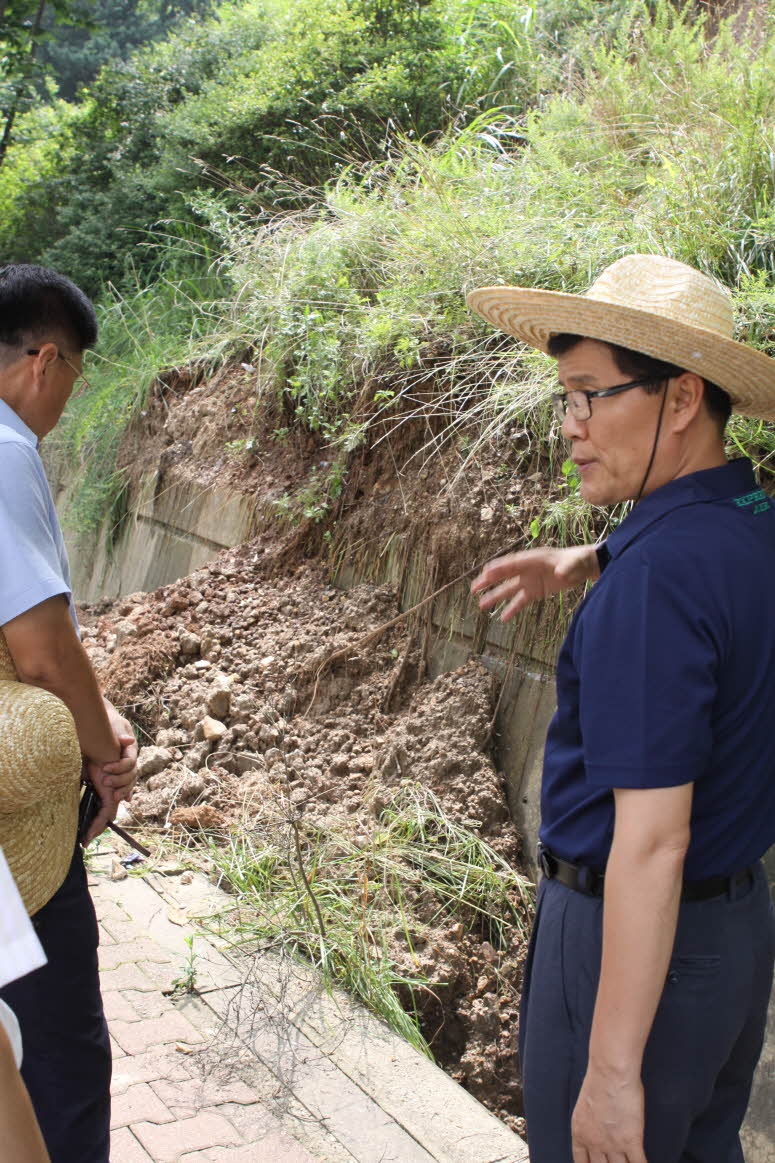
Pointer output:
x,y
264,697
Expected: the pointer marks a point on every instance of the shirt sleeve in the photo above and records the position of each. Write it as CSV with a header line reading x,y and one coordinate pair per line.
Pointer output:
x,y
30,566
649,656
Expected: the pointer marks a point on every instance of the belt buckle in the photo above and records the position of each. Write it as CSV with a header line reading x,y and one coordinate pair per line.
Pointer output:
x,y
546,862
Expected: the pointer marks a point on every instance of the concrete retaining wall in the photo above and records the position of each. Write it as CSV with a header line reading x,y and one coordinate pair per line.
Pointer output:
x,y
171,531
176,528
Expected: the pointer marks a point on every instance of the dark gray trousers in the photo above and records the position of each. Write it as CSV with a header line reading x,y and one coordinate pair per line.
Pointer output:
x,y
706,1038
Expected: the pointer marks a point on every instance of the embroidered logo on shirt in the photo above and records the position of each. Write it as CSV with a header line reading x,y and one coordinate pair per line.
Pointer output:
x,y
758,499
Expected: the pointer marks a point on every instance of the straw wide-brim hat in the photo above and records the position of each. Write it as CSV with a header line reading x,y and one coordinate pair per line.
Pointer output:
x,y
40,771
651,304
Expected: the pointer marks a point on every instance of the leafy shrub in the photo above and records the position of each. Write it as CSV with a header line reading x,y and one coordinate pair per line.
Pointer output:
x,y
653,138
663,142
271,99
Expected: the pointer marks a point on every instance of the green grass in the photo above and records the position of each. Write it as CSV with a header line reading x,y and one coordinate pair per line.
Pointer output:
x,y
333,902
638,134
660,141
174,323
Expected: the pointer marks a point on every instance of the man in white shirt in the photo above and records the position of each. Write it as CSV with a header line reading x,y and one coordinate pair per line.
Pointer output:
x,y
46,324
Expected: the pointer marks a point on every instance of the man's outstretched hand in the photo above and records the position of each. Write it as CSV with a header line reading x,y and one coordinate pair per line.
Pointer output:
x,y
521,578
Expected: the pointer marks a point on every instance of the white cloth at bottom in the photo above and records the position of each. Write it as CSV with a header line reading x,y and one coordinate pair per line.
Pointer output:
x,y
20,949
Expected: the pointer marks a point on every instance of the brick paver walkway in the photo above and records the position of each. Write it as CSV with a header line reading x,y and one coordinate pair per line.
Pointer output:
x,y
271,1069
174,1100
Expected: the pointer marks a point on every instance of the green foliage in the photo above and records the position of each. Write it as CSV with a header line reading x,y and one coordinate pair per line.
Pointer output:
x,y
18,20
315,499
45,144
635,132
186,983
109,30
21,32
323,899
268,99
141,335
652,149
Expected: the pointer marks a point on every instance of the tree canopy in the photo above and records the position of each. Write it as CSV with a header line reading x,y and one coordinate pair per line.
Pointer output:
x,y
108,30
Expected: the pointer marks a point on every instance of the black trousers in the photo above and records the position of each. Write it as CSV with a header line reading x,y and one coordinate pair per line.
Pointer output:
x,y
705,1041
67,1062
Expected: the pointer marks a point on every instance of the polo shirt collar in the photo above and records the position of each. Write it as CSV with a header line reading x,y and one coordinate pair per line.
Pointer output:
x,y
728,480
10,419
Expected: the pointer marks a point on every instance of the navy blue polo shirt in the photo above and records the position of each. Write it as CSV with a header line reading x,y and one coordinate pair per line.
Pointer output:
x,y
667,676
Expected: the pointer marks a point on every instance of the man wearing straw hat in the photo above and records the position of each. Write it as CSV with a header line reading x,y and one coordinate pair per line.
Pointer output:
x,y
46,324
651,962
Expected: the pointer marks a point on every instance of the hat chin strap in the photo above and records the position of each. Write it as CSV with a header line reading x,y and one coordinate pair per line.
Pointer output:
x,y
656,442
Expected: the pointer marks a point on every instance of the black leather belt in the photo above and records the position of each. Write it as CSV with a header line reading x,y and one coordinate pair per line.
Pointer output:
x,y
591,880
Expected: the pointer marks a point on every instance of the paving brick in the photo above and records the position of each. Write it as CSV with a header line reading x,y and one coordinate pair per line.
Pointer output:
x,y
137,952
160,1062
110,913
118,925
117,1007
170,1028
127,977
105,938
150,1004
137,899
115,1050
165,1111
196,1010
189,1097
165,1144
275,1148
124,1148
138,1103
254,1122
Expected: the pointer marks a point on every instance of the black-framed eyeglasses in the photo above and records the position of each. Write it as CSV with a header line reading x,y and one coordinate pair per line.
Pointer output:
x,y
579,401
78,374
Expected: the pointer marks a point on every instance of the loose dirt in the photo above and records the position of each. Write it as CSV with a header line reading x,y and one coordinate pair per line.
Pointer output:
x,y
258,691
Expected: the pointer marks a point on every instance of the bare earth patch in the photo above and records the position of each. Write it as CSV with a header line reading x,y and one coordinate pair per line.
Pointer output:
x,y
265,697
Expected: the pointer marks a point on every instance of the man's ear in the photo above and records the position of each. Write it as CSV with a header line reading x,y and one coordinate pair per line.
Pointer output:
x,y
41,363
687,394
48,354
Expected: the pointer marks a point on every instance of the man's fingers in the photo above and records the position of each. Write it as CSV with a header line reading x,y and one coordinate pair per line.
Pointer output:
x,y
500,593
521,599
501,568
105,816
493,572
596,1155
119,767
120,782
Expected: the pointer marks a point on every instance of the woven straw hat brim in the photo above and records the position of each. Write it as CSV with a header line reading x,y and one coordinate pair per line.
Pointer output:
x,y
534,316
38,843
40,772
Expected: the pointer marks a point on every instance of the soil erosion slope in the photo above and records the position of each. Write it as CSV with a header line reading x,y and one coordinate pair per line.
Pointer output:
x,y
270,709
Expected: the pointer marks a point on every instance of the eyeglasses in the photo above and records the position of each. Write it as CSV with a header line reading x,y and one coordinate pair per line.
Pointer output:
x,y
579,401
82,386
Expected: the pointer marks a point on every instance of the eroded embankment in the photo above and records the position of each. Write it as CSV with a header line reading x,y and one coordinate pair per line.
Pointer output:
x,y
275,708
